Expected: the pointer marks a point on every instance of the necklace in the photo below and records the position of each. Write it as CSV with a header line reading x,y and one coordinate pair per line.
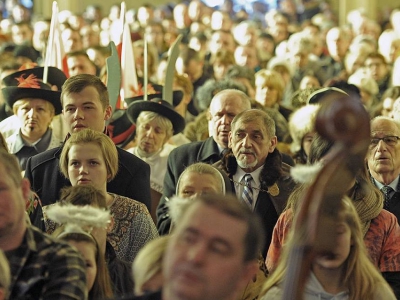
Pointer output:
x,y
273,190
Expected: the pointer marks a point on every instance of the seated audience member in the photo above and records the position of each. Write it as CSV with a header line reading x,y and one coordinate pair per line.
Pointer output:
x,y
156,122
376,66
35,104
254,165
78,222
300,47
90,157
190,62
385,106
222,60
33,204
222,236
301,127
197,179
368,89
79,63
86,105
243,76
41,267
224,106
147,266
380,229
5,277
345,272
269,91
119,270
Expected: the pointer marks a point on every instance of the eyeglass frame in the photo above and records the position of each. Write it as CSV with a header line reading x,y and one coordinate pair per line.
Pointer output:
x,y
384,139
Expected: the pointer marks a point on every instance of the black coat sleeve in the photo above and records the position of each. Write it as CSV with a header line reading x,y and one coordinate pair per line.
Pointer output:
x,y
393,279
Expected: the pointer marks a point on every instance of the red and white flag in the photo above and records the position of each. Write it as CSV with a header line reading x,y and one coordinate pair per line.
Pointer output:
x,y
129,84
55,53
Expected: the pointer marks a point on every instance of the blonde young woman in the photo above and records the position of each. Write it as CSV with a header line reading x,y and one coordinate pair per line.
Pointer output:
x,y
90,157
346,272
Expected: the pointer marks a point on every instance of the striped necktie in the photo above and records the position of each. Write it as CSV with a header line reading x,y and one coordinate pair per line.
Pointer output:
x,y
387,191
247,194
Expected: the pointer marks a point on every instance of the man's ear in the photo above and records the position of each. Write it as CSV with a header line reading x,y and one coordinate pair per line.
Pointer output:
x,y
108,113
272,146
209,116
230,139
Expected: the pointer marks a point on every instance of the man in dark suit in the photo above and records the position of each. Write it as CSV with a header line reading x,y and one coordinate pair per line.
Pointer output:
x,y
86,105
223,108
383,159
259,177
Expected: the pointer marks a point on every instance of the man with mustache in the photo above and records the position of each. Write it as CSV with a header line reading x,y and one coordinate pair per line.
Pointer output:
x,y
223,108
383,160
259,177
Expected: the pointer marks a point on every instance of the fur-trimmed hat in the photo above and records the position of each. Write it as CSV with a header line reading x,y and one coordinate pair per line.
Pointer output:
x,y
301,122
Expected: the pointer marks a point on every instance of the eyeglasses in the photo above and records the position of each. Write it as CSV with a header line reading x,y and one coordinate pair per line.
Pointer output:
x,y
390,140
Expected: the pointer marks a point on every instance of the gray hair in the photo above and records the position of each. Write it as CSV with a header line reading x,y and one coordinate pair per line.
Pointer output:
x,y
163,122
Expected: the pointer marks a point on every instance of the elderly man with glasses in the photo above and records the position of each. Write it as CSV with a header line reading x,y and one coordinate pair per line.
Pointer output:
x,y
383,160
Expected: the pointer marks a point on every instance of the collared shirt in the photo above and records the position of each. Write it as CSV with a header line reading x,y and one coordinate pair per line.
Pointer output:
x,y
158,165
23,150
255,183
393,184
43,268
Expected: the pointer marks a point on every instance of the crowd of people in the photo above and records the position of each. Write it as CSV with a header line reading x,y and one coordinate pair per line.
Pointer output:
x,y
194,197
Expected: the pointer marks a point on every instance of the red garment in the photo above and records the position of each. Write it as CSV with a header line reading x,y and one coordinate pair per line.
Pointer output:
x,y
381,241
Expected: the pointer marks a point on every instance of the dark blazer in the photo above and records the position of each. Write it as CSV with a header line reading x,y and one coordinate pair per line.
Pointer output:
x,y
205,151
394,206
132,179
268,207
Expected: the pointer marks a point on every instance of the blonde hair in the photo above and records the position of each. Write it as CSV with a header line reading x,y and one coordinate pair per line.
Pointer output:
x,y
203,168
148,262
361,277
5,275
271,78
22,102
86,136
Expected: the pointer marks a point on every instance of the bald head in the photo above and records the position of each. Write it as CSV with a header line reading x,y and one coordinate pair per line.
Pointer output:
x,y
223,108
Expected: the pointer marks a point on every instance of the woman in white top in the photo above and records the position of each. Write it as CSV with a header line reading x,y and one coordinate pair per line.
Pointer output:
x,y
345,272
156,122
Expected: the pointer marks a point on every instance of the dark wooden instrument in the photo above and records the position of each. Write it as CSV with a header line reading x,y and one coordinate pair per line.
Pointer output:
x,y
343,120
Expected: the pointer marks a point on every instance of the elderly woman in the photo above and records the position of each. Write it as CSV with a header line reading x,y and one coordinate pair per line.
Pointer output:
x,y
35,104
269,91
156,122
302,131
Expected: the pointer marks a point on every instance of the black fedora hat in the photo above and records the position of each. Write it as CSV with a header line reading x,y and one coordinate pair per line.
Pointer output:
x,y
159,106
121,129
30,87
54,76
177,96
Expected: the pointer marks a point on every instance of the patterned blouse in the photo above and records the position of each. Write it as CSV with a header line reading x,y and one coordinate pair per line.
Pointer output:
x,y
133,226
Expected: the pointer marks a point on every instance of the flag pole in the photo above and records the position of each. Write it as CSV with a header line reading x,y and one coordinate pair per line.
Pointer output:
x,y
50,40
145,69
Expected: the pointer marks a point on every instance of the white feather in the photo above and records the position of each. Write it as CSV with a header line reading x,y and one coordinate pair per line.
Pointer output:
x,y
81,216
176,205
305,173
